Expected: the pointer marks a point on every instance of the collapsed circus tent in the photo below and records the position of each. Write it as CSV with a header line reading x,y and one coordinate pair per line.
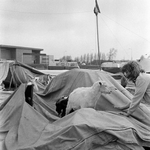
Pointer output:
x,y
14,73
24,127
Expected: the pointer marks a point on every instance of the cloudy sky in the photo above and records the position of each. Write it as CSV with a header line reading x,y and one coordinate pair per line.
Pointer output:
x,y
68,27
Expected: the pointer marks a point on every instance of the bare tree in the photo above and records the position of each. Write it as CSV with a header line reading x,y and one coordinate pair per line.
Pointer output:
x,y
103,56
112,53
88,58
91,57
95,56
66,58
84,57
77,59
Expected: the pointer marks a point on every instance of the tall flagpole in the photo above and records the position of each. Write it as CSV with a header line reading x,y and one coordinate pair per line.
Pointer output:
x,y
98,43
96,11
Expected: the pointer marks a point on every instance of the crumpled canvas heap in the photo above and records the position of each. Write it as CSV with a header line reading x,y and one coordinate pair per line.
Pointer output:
x,y
23,127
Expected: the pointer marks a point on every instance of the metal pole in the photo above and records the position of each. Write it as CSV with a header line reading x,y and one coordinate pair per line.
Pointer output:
x,y
98,42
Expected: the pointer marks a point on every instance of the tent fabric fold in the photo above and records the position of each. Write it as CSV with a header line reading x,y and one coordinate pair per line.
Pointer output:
x,y
39,128
16,73
4,68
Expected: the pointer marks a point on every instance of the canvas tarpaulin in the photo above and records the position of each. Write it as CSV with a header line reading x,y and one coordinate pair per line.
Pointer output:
x,y
23,127
4,68
16,73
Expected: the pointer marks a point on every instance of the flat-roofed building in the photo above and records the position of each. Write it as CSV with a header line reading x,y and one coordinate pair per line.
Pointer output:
x,y
27,55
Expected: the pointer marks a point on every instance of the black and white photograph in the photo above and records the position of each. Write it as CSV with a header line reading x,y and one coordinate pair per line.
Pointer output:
x,y
74,75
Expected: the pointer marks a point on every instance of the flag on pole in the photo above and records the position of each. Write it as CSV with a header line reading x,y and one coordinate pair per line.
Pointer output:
x,y
96,8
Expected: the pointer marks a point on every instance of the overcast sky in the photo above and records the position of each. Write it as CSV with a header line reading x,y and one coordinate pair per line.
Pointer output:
x,y
68,27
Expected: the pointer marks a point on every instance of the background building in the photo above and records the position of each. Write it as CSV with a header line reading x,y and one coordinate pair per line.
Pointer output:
x,y
25,55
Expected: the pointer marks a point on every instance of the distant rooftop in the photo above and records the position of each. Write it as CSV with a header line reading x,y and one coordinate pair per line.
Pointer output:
x,y
12,46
